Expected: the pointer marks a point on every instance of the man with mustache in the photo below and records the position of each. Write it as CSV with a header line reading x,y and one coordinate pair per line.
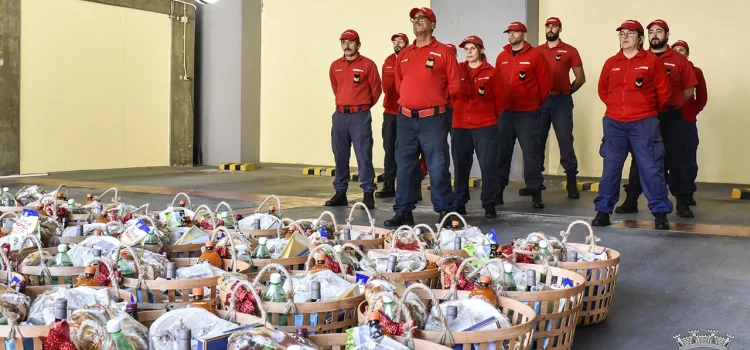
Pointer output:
x,y
426,78
683,81
557,109
527,76
390,104
690,111
356,85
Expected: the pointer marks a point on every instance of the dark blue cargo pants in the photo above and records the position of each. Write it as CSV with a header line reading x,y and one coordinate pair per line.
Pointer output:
x,y
524,126
691,152
483,141
353,129
557,111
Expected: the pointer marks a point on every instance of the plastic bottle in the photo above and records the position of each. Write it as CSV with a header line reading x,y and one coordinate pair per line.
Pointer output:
x,y
89,278
389,307
89,198
62,259
103,217
198,300
211,255
171,271
530,279
8,200
392,259
376,331
320,263
455,226
261,251
184,341
121,342
275,293
151,240
510,282
484,291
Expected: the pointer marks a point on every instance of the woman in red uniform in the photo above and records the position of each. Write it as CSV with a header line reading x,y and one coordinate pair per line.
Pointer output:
x,y
475,110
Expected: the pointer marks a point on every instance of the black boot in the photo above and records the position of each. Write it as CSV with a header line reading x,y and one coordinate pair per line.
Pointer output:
x,y
683,209
629,206
536,199
524,192
661,222
692,201
461,209
572,187
388,191
369,200
400,219
601,219
338,200
490,212
499,197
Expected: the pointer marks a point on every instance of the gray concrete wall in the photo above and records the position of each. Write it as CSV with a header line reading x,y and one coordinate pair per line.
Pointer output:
x,y
229,81
487,19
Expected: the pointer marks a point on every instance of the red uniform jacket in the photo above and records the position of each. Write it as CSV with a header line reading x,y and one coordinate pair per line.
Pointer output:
x,y
561,59
634,89
698,101
681,76
481,98
355,83
390,101
426,76
527,77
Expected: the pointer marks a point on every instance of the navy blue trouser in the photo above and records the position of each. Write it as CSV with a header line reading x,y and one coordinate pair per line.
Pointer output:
x,y
691,151
464,142
557,111
389,146
353,129
524,126
431,135
643,137
675,166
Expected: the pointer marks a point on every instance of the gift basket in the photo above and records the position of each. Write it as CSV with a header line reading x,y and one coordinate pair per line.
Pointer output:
x,y
554,294
317,299
161,289
600,267
263,224
340,342
46,266
78,233
369,237
146,233
462,320
189,237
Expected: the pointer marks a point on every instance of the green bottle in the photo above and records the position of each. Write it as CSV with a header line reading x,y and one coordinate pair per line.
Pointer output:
x,y
261,251
8,200
151,239
121,341
388,308
510,282
62,259
275,293
544,251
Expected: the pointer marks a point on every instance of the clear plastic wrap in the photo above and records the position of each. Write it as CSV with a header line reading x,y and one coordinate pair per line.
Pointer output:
x,y
199,270
43,308
14,305
88,328
84,251
470,312
154,264
267,221
331,286
361,335
228,279
586,256
531,243
262,338
30,194
276,246
471,235
164,332
88,230
35,259
405,261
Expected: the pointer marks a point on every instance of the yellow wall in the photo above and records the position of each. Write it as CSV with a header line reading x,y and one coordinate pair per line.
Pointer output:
x,y
722,126
299,42
94,92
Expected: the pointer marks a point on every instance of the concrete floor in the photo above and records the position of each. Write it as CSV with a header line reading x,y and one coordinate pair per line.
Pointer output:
x,y
669,283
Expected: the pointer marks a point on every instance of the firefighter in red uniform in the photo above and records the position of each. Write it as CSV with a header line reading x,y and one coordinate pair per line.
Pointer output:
x,y
683,82
634,86
528,80
356,85
477,105
690,111
425,78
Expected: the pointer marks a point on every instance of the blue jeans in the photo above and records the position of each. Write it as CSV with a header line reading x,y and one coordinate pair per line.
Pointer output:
x,y
353,129
643,137
431,135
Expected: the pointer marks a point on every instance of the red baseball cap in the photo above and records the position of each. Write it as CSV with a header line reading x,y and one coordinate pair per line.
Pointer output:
x,y
453,48
427,12
553,20
349,34
660,23
516,26
682,43
630,25
400,35
473,39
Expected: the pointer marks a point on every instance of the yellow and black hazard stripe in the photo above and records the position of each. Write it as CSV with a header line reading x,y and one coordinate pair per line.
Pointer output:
x,y
741,193
238,166
355,177
319,171
473,182
584,186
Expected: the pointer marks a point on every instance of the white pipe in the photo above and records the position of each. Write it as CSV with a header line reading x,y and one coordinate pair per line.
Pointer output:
x,y
23,175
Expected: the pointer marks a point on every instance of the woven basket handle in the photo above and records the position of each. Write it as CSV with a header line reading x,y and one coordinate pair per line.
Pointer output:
x,y
119,225
182,194
290,307
336,257
278,204
445,336
231,212
143,209
115,199
358,251
136,261
333,220
407,231
279,227
590,239
230,238
9,213
432,232
369,217
112,277
204,208
445,218
154,228
231,315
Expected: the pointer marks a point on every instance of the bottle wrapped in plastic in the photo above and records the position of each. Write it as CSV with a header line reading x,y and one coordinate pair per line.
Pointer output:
x,y
88,328
261,338
15,304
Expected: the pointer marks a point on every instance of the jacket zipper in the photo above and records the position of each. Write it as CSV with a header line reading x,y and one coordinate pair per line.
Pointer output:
x,y
625,81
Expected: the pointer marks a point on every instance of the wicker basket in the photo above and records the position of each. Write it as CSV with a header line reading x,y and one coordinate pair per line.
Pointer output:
x,y
338,342
43,274
268,232
378,234
601,277
342,312
516,337
165,292
107,231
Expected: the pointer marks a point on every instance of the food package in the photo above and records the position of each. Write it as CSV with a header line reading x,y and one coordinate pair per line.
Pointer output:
x,y
382,284
154,264
449,265
405,261
121,212
82,252
267,221
470,313
298,245
531,243
190,235
359,336
30,194
332,286
310,226
201,269
88,230
164,332
88,327
585,256
43,308
473,241
15,304
261,338
35,259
